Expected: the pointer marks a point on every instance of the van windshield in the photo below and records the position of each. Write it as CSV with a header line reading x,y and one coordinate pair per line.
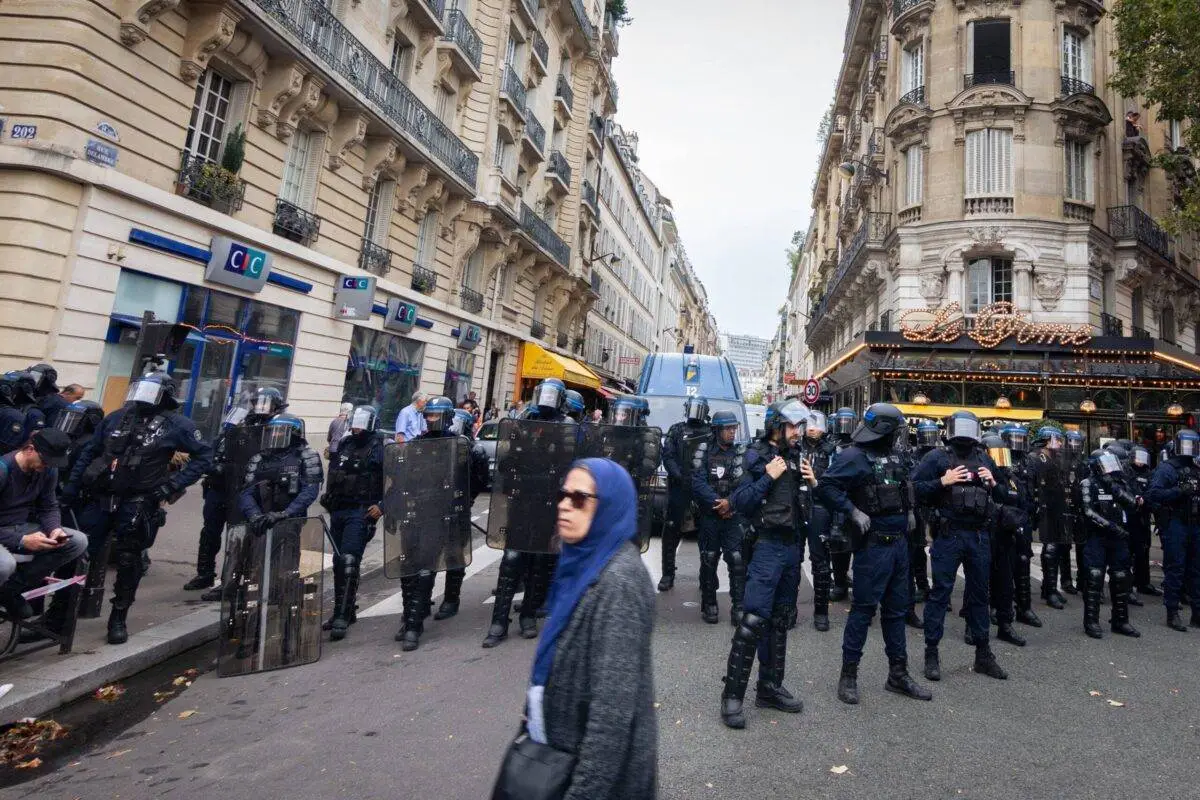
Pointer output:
x,y
666,411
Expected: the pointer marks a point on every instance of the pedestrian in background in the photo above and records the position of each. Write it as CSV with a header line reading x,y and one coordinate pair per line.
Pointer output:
x,y
592,688
337,429
410,422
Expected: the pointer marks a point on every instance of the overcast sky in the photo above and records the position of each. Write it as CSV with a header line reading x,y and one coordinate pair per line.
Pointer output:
x,y
726,96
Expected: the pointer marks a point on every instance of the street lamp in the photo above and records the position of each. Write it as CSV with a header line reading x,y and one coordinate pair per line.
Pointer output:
x,y
848,169
613,259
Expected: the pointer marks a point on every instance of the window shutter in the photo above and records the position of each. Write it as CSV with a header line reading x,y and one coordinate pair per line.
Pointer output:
x,y
1004,182
383,215
1085,58
312,171
974,165
970,47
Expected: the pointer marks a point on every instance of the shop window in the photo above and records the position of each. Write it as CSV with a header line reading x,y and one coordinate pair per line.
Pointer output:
x,y
1110,400
1066,399
383,370
989,280
460,367
982,394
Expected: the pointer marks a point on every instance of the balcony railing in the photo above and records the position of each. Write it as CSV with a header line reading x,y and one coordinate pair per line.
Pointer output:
x,y
535,131
1001,77
1072,86
590,197
873,232
1130,222
541,232
916,97
459,31
585,24
210,184
537,330
530,7
541,49
987,206
596,127
424,280
909,215
514,87
470,300
879,58
374,258
341,53
901,6
875,143
1136,332
562,89
293,222
1079,212
559,167
1111,325
438,7
562,340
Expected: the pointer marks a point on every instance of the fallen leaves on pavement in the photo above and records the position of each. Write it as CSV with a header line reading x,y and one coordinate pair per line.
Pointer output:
x,y
22,741
839,770
109,694
186,714
1116,703
32,763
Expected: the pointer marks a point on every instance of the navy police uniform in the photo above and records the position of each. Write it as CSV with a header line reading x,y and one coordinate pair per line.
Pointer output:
x,y
1174,495
717,468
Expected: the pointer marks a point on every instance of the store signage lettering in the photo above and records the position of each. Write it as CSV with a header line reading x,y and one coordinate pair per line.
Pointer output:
x,y
354,297
237,265
993,325
244,261
401,316
469,336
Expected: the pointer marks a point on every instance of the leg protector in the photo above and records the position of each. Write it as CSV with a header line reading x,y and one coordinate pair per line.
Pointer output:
x,y
1050,563
770,692
822,585
1024,586
453,595
737,584
506,586
737,671
920,573
339,590
1091,602
344,604
708,586
670,544
1122,582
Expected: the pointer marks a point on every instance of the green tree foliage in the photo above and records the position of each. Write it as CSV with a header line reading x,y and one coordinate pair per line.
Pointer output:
x,y
618,11
1158,58
235,150
796,250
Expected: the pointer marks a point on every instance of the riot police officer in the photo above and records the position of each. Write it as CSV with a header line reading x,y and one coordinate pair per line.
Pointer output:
x,y
1139,526
1046,463
681,441
928,438
868,483
464,425
536,569
1011,525
1106,505
12,417
574,405
818,451
716,470
844,422
960,481
24,400
124,469
284,478
353,496
769,496
1017,439
1076,470
1175,497
48,402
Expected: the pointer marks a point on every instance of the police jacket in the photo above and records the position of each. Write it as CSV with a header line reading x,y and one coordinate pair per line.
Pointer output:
x,y
478,458
875,482
771,505
675,460
130,452
819,454
1173,489
964,506
356,472
1106,505
50,407
12,429
1139,484
717,470
286,480
1013,517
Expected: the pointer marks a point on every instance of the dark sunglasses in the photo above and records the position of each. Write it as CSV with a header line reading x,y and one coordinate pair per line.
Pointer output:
x,y
578,498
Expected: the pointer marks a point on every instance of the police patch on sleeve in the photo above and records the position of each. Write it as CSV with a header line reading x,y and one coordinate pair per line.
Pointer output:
x,y
17,427
197,434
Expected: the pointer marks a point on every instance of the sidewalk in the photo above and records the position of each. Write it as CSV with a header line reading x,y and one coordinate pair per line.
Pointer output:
x,y
164,622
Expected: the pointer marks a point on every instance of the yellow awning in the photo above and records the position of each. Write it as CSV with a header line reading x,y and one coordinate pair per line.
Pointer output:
x,y
983,412
538,362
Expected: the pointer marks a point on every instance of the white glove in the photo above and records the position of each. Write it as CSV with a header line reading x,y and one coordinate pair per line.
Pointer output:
x,y
863,521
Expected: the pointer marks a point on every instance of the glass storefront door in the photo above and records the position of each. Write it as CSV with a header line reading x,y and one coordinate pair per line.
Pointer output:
x,y
204,370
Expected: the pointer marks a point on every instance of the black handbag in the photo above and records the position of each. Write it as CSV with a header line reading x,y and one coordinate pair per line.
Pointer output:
x,y
533,771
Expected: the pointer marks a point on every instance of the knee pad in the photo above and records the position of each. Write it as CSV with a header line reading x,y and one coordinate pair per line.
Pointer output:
x,y
750,628
1120,576
1050,551
735,561
511,559
1095,576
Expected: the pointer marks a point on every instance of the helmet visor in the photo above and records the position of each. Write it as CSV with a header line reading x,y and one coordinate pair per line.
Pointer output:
x,y
1017,439
844,424
794,413
264,405
364,418
70,421
236,416
695,410
144,391
817,424
1141,457
1001,455
548,396
1187,446
963,428
1109,463
276,437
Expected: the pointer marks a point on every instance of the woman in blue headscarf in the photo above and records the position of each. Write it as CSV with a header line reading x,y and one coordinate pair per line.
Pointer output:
x,y
592,689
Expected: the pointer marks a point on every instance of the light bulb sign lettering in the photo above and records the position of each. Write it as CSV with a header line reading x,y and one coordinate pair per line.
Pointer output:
x,y
994,324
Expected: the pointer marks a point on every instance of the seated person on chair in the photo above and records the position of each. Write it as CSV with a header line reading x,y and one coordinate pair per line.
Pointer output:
x,y
33,543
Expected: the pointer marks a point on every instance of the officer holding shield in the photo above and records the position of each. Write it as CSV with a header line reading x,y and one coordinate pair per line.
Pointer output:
x,y
818,451
284,478
464,425
681,440
844,423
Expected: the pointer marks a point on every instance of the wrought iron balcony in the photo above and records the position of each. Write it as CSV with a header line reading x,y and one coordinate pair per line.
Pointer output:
x,y
374,258
1136,332
545,237
541,50
341,53
459,31
590,197
1001,77
563,91
559,167
514,87
562,340
1072,86
1130,222
596,128
423,279
1111,325
875,144
537,330
470,300
530,7
210,184
612,32
535,132
581,17
873,232
438,7
293,222
916,97
900,7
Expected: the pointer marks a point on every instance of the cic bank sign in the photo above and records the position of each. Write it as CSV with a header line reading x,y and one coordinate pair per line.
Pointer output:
x,y
237,265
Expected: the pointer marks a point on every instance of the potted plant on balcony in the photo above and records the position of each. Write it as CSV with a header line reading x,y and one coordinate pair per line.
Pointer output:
x,y
217,185
618,11
422,282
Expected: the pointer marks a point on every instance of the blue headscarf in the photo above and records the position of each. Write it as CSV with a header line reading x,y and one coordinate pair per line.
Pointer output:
x,y
580,565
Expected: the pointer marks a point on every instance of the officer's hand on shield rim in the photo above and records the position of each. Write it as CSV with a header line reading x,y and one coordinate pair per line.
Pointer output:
x,y
806,471
776,467
955,475
374,512
986,474
722,508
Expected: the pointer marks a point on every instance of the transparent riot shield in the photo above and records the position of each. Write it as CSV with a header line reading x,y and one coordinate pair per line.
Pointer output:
x,y
271,602
639,451
426,506
532,459
691,446
241,444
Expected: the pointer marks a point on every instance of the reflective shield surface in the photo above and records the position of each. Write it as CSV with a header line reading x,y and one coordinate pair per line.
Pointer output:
x,y
639,451
532,459
426,506
241,444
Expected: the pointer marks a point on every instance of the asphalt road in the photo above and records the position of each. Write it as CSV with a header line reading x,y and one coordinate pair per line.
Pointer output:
x,y
1077,719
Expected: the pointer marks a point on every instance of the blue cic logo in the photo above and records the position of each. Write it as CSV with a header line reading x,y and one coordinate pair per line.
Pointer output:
x,y
243,260
361,284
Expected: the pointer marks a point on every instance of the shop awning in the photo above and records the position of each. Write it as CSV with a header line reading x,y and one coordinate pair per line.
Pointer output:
x,y
539,363
983,412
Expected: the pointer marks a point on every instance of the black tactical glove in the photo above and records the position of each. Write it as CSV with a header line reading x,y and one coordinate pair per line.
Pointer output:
x,y
163,493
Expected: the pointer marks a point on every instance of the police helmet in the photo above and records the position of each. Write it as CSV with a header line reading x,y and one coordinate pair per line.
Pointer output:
x,y
1140,456
927,433
439,414
268,402
1104,462
45,379
625,411
963,426
1016,437
79,418
463,423
8,390
784,412
1117,449
550,395
998,449
723,419
574,403
236,416
844,420
1187,443
364,419
879,421
24,387
695,409
1075,443
817,424
1051,438
282,431
642,406
154,389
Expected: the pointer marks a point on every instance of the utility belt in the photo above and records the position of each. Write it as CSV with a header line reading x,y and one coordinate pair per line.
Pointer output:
x,y
877,538
777,534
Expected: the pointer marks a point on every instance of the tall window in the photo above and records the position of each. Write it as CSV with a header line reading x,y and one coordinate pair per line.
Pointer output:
x,y
989,52
1076,56
427,240
473,269
914,175
989,280
1174,134
1139,307
302,169
504,156
210,115
378,216
989,163
1166,324
912,72
1078,173
402,58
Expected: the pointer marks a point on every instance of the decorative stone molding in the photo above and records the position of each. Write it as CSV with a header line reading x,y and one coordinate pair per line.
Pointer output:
x,y
382,154
1049,288
412,181
982,106
1132,271
933,286
300,107
987,234
454,208
1135,153
282,82
138,16
248,55
349,132
913,24
211,26
1079,116
1080,13
908,120
425,44
429,198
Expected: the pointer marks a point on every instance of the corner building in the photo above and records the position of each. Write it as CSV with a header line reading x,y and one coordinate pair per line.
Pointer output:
x,y
984,231
406,215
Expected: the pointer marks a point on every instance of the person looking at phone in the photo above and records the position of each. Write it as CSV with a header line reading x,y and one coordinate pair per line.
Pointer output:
x,y
30,522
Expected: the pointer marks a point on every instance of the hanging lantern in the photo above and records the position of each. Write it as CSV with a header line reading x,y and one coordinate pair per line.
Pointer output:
x,y
1003,402
1175,409
920,399
1088,406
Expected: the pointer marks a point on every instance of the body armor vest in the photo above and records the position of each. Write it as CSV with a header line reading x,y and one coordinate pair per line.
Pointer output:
x,y
969,502
886,493
1102,500
726,466
134,459
277,479
779,510
353,478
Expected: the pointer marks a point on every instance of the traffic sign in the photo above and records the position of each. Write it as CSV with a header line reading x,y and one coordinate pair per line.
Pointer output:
x,y
812,391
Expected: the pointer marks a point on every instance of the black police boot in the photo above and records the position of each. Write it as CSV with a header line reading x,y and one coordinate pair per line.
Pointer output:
x,y
201,581
709,611
737,586
343,610
913,619
451,599
900,682
1175,622
737,671
920,573
670,545
1025,614
129,574
414,618
1050,581
506,587
1005,633
933,665
1150,590
1067,585
535,594
968,637
770,692
1119,586
822,583
985,663
339,591
206,569
847,690
841,586
1091,603
1134,599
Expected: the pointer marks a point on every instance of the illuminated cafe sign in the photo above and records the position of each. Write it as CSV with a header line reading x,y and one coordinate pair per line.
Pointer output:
x,y
993,324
